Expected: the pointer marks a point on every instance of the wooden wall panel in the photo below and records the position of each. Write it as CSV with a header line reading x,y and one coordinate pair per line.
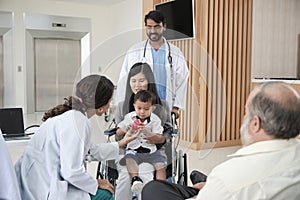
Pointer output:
x,y
219,63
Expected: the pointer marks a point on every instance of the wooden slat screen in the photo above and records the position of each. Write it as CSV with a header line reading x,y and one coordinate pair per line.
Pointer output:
x,y
219,63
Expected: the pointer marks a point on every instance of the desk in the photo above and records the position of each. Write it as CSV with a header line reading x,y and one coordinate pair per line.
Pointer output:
x,y
13,143
16,148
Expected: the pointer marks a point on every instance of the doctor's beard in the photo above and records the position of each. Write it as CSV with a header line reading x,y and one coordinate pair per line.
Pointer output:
x,y
155,37
245,136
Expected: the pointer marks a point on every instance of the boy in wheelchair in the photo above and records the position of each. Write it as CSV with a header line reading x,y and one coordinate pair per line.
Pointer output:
x,y
142,121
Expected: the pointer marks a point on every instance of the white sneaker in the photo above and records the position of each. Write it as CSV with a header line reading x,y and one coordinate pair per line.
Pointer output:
x,y
137,187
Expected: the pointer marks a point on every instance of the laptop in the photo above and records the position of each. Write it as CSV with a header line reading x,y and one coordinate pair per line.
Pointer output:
x,y
12,124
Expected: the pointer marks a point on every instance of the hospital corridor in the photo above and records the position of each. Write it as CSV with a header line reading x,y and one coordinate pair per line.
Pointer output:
x,y
149,99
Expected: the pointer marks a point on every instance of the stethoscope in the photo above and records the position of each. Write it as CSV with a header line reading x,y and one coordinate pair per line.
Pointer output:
x,y
170,60
169,55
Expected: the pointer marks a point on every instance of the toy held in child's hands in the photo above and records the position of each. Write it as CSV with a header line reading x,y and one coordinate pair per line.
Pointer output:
x,y
137,124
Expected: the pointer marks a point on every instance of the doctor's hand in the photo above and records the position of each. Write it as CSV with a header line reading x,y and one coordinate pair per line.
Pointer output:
x,y
129,136
106,185
122,131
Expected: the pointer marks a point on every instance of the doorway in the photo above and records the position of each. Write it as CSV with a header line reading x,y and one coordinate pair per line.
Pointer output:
x,y
57,65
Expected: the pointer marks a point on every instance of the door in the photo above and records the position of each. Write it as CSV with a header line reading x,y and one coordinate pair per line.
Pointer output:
x,y
298,58
57,64
1,73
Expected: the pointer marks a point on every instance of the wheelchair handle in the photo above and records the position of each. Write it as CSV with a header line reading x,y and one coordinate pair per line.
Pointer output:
x,y
174,122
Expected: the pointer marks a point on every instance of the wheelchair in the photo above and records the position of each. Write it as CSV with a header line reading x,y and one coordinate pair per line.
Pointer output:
x,y
177,160
176,169
107,169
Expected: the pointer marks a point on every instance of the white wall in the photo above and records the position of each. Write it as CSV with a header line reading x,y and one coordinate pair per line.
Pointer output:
x,y
8,76
107,21
126,18
276,27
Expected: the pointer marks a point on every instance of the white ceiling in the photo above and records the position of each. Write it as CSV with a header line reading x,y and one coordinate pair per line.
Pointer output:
x,y
94,2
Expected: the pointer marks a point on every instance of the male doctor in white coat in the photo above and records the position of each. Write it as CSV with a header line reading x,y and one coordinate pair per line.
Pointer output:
x,y
166,60
171,77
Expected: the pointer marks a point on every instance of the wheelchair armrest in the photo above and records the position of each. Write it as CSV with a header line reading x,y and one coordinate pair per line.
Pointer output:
x,y
111,132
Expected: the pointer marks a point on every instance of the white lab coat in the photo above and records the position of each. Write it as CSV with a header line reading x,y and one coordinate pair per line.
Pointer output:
x,y
52,165
180,73
9,189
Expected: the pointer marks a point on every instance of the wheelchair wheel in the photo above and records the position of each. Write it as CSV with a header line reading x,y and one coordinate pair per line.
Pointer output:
x,y
179,167
100,174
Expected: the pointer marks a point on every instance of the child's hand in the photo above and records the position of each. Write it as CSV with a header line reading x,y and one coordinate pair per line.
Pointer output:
x,y
129,136
153,138
146,132
137,124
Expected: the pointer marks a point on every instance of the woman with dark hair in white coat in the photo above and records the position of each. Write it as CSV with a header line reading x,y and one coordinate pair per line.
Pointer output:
x,y
52,165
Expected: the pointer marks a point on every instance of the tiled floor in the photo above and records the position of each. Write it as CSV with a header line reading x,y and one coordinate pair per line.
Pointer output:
x,y
203,160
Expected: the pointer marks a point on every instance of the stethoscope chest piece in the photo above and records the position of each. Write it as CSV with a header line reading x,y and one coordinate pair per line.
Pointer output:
x,y
143,60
